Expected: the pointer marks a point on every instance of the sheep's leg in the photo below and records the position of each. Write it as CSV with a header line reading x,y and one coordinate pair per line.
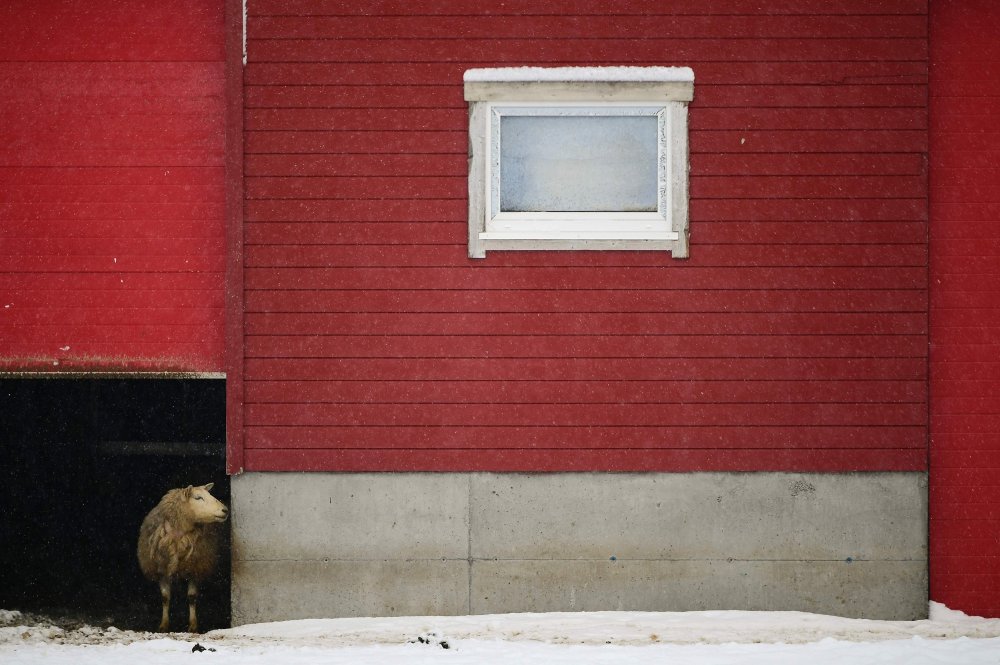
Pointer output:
x,y
192,602
165,596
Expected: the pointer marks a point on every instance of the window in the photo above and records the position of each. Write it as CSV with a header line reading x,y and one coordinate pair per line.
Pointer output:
x,y
578,158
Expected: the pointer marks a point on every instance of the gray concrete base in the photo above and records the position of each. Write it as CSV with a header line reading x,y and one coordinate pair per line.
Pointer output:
x,y
332,545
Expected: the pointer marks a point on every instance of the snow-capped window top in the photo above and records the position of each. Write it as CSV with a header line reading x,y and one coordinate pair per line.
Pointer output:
x,y
664,74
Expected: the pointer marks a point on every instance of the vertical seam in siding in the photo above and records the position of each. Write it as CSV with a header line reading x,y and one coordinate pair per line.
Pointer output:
x,y
234,235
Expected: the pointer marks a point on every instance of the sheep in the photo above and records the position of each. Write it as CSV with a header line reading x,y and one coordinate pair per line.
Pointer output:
x,y
179,539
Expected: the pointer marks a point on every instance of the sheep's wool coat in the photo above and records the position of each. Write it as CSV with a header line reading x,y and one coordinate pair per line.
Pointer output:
x,y
172,545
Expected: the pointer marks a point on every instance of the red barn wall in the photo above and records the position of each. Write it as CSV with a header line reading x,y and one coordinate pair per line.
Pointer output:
x,y
965,319
112,245
794,338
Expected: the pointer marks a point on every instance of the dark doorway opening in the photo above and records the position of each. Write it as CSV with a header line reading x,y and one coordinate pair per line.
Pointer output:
x,y
83,461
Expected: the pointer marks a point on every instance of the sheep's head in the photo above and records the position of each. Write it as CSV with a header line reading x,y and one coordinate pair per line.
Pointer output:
x,y
204,506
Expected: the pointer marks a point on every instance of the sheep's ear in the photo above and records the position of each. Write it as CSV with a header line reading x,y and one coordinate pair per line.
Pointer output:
x,y
209,486
187,491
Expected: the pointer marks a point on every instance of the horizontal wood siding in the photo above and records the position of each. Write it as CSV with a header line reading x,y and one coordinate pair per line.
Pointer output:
x,y
795,337
112,243
965,315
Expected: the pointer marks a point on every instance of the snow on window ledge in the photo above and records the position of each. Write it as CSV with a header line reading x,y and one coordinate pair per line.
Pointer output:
x,y
517,74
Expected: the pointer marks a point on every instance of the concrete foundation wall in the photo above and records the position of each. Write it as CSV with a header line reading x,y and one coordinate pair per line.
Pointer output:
x,y
331,545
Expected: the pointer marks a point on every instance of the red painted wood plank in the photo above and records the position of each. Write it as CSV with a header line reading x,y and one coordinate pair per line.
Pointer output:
x,y
806,187
964,353
795,142
53,263
483,276
978,370
965,247
44,304
103,315
162,194
355,119
942,546
912,96
127,131
11,247
968,529
334,73
584,392
571,50
567,439
596,369
595,323
188,177
148,281
792,233
63,218
968,565
446,95
584,346
986,317
91,105
371,212
855,209
125,333
965,388
587,301
857,119
80,158
498,26
412,165
130,358
946,499
581,460
584,415
87,355
67,81
453,142
967,422
962,335
583,7
430,187
723,164
414,255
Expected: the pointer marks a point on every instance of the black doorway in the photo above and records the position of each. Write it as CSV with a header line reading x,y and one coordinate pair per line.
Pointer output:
x,y
83,461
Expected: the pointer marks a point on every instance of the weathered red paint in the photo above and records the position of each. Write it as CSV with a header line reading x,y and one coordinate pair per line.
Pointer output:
x,y
112,245
964,317
794,338
234,332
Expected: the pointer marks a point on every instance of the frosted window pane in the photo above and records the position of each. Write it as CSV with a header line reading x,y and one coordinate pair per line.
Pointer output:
x,y
578,163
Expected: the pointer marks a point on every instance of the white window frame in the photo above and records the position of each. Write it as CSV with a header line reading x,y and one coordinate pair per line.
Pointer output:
x,y
605,91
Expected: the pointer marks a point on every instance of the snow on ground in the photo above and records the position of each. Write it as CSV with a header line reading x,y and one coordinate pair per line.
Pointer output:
x,y
602,638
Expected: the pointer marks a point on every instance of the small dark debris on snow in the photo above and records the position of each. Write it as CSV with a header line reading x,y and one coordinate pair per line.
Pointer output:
x,y
431,638
198,648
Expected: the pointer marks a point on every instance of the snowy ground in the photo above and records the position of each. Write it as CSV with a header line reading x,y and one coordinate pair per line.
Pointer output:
x,y
605,638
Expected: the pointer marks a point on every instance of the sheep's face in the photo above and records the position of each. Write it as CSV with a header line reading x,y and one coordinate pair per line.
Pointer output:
x,y
204,506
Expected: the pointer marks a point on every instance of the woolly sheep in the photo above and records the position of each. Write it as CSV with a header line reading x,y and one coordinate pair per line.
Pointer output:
x,y
179,539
